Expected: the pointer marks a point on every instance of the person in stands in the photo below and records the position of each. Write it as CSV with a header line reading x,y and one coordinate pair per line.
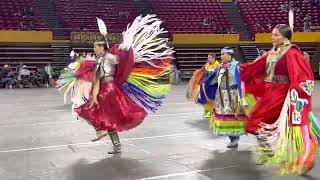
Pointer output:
x,y
7,76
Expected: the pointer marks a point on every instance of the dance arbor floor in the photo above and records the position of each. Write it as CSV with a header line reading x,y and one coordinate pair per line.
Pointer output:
x,y
41,140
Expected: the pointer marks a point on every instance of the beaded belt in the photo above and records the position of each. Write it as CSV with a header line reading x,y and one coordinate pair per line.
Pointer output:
x,y
279,79
107,79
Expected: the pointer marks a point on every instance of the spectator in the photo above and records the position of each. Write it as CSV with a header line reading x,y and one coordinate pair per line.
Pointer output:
x,y
269,25
208,21
31,26
29,12
24,12
307,23
42,78
24,77
313,2
7,76
19,67
257,26
17,14
284,7
22,27
231,31
48,69
23,72
124,13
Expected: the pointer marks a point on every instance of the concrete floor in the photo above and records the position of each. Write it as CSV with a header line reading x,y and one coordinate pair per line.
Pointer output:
x,y
41,140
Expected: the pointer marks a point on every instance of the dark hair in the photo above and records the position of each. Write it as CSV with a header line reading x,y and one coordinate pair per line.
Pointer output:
x,y
214,55
284,30
262,52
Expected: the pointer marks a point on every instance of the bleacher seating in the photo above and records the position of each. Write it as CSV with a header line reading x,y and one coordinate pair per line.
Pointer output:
x,y
82,15
10,20
34,54
262,11
186,16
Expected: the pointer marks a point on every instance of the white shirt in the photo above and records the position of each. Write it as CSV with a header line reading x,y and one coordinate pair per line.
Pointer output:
x,y
108,67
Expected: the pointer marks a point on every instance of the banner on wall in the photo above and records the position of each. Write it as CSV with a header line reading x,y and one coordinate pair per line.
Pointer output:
x,y
91,37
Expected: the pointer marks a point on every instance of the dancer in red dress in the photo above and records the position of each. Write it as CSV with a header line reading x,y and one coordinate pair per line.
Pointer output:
x,y
119,88
278,88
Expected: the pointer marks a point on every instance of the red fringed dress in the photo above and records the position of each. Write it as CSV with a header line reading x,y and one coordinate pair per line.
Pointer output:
x,y
116,111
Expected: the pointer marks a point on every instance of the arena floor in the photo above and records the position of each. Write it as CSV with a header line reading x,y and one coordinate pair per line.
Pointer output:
x,y
41,140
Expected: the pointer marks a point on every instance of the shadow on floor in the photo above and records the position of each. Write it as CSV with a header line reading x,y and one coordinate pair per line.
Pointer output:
x,y
231,164
240,165
113,168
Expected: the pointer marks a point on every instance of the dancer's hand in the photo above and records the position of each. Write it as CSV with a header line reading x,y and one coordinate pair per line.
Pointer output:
x,y
94,101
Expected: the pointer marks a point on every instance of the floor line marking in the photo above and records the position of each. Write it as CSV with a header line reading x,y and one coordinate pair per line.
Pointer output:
x,y
133,145
101,142
189,172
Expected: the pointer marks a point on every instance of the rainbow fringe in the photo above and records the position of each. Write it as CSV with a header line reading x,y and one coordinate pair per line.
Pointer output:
x,y
142,87
228,126
293,147
297,153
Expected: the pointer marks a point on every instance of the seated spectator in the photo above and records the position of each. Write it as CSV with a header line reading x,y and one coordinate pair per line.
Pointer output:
x,y
31,26
22,27
231,30
124,13
208,21
258,27
42,78
24,72
29,12
7,76
24,77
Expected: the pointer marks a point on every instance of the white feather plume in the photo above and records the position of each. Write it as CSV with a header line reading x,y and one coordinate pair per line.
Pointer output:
x,y
102,27
143,36
72,53
291,17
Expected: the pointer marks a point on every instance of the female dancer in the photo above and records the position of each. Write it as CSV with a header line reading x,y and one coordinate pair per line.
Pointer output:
x,y
278,88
